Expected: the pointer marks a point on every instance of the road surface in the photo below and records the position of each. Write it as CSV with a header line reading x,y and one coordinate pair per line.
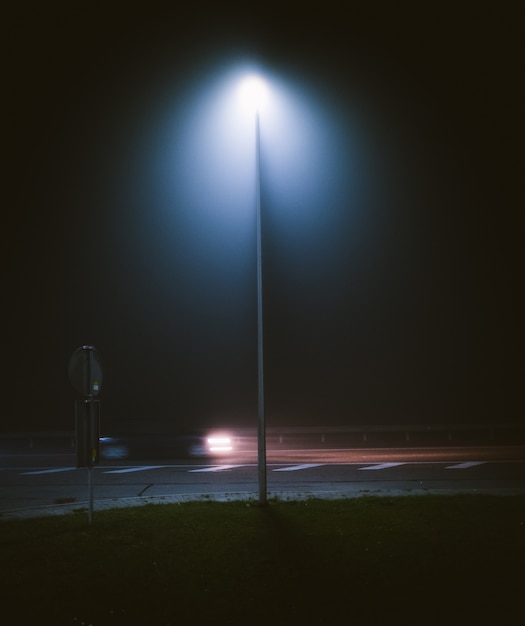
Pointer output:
x,y
41,484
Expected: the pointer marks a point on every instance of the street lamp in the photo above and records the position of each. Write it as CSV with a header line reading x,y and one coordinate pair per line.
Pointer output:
x,y
253,91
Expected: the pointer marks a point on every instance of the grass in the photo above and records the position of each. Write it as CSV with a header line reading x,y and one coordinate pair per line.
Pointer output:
x,y
411,560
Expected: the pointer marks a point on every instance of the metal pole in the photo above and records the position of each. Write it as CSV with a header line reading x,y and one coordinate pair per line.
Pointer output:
x,y
261,434
89,442
90,489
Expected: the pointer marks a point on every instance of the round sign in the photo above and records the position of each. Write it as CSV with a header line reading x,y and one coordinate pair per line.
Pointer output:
x,y
85,371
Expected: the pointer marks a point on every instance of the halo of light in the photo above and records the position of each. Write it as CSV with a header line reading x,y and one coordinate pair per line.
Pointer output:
x,y
253,92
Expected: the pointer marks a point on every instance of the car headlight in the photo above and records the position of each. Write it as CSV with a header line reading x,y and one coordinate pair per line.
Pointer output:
x,y
219,443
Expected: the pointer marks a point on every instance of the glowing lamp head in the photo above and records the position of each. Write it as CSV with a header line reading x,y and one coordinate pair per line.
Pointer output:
x,y
253,92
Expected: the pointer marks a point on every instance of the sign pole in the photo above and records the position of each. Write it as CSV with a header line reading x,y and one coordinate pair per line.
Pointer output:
x,y
85,374
90,489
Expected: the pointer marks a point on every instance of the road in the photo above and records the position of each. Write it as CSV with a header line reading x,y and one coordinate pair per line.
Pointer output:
x,y
39,484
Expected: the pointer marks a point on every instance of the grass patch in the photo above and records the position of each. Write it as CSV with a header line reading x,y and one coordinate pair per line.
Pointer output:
x,y
427,559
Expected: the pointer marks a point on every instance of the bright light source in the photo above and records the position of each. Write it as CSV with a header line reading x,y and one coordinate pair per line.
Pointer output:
x,y
253,92
220,443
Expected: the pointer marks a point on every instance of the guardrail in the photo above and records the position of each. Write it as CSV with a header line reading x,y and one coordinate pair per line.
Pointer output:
x,y
362,435
38,439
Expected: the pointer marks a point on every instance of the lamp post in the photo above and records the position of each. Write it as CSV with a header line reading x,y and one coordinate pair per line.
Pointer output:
x,y
261,435
253,91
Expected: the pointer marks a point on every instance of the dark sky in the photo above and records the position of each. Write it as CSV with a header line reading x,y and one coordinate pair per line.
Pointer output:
x,y
401,304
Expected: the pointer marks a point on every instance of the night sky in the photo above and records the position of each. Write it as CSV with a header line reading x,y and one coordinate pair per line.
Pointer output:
x,y
392,247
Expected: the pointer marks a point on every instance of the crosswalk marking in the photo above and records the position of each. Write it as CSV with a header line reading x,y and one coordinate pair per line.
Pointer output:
x,y
215,468
381,466
294,468
465,465
222,468
127,470
48,471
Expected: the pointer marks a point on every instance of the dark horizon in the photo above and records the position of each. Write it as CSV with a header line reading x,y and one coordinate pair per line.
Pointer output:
x,y
391,243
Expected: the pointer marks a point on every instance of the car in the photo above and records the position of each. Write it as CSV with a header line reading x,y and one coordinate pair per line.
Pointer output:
x,y
166,446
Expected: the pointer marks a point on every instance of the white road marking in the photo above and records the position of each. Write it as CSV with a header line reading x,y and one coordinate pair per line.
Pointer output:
x,y
465,465
216,468
127,470
49,471
294,468
381,466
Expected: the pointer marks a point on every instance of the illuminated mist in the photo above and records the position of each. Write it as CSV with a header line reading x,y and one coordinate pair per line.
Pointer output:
x,y
390,243
182,237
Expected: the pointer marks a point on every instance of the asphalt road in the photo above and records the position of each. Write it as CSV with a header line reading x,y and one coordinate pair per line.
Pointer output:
x,y
38,484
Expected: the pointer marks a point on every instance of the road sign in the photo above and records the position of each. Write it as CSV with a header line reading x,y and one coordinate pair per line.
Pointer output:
x,y
85,374
85,371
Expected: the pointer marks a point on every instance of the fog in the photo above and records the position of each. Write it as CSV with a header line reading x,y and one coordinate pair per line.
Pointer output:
x,y
179,239
389,238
